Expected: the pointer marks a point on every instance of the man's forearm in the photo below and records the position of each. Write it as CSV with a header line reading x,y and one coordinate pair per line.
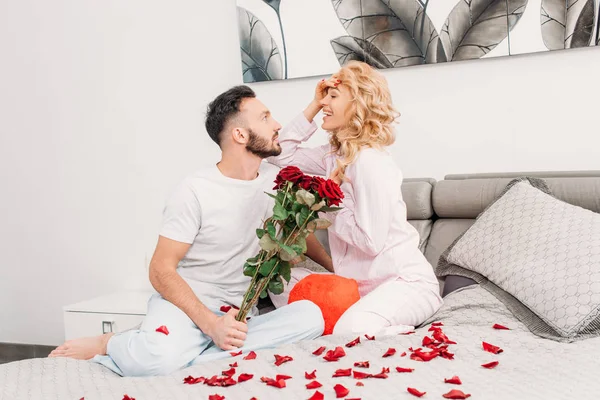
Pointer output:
x,y
316,252
174,289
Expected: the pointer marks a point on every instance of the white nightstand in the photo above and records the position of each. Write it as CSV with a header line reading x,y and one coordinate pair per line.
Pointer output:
x,y
116,312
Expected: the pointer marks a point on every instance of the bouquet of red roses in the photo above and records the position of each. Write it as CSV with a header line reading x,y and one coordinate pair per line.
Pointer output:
x,y
298,200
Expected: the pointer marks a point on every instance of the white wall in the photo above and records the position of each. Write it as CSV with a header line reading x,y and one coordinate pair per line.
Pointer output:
x,y
528,112
101,114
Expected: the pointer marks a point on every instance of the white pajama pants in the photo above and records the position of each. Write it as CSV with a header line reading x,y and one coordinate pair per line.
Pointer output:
x,y
393,307
145,352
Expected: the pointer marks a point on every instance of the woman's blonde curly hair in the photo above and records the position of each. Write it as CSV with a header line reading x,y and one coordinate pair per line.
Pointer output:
x,y
372,113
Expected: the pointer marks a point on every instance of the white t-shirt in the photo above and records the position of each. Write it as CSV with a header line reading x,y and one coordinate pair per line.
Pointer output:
x,y
218,216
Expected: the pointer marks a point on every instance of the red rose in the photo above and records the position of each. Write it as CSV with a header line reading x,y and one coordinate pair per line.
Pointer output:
x,y
279,182
331,191
291,173
306,182
316,181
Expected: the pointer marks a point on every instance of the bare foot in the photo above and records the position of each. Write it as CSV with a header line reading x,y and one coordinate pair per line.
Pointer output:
x,y
83,348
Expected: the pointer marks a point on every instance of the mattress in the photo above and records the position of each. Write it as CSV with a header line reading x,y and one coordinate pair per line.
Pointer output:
x,y
529,367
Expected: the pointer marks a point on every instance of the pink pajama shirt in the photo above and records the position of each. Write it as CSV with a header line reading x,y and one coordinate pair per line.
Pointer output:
x,y
370,239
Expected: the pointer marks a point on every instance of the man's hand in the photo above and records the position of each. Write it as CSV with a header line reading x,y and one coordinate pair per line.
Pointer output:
x,y
227,333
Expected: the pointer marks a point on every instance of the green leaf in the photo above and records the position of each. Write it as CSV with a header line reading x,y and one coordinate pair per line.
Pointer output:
x,y
285,270
279,213
296,207
318,223
304,197
301,243
267,244
276,286
271,195
302,216
249,270
254,260
267,266
272,231
286,253
318,206
263,294
260,233
331,209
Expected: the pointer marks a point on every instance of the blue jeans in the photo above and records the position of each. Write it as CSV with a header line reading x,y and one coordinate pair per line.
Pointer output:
x,y
145,352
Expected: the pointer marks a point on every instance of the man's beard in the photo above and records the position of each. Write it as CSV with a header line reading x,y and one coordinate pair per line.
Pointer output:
x,y
262,147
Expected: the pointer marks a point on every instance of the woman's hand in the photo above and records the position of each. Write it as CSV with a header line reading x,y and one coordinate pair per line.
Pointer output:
x,y
320,93
323,87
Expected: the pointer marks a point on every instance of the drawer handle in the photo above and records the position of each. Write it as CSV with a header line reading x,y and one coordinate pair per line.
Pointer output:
x,y
107,326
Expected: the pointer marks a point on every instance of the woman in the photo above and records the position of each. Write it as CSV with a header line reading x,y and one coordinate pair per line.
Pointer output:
x,y
370,239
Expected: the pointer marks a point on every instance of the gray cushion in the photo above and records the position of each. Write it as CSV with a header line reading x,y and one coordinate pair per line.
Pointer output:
x,y
538,254
417,196
443,233
468,198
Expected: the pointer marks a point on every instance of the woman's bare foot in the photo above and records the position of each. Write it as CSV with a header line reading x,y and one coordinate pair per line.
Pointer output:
x,y
84,348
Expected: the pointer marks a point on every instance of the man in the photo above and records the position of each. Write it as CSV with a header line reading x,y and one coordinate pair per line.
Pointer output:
x,y
208,232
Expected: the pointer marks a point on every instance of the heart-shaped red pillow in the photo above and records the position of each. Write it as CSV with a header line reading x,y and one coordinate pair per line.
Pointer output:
x,y
332,293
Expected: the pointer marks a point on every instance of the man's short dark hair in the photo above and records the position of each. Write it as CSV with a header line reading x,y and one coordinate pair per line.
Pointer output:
x,y
222,109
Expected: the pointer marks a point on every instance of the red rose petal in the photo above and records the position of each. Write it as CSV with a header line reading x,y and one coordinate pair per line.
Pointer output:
x,y
390,352
427,341
216,397
419,355
456,394
313,385
362,364
244,377
275,383
354,342
441,337
383,373
335,355
437,324
498,326
491,348
408,333
282,359
400,369
228,382
225,308
126,397
370,337
234,365
229,373
342,372
490,365
250,356
403,354
455,380
415,392
340,391
235,354
312,375
317,396
319,351
162,329
361,375
190,380
360,384
284,377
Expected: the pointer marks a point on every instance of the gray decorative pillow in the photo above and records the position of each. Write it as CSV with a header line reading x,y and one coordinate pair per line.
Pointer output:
x,y
537,254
